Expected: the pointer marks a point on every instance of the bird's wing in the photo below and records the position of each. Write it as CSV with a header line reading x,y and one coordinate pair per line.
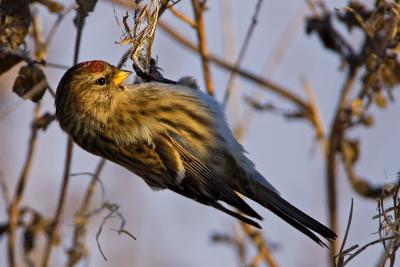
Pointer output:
x,y
158,165
169,164
199,182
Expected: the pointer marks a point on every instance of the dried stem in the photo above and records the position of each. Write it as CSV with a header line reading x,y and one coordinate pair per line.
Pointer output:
x,y
263,82
57,23
276,56
198,9
76,251
341,255
335,137
60,206
182,17
20,189
40,45
67,167
352,256
243,50
262,246
315,116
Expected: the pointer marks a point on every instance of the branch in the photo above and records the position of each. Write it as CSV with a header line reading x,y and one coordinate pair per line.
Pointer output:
x,y
68,159
20,189
264,83
262,246
182,17
198,10
76,251
342,253
335,137
243,50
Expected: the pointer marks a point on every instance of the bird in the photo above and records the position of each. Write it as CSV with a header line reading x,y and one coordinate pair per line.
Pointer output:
x,y
175,137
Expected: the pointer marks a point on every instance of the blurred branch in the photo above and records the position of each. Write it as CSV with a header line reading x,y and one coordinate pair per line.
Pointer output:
x,y
264,83
77,249
40,45
182,17
359,185
199,7
315,113
60,206
82,12
335,136
57,23
243,50
4,190
264,252
275,57
20,189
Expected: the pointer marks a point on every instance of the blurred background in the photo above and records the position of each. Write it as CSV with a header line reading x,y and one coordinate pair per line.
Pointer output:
x,y
172,230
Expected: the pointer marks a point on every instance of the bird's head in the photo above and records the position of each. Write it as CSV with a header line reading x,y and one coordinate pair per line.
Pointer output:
x,y
89,86
94,76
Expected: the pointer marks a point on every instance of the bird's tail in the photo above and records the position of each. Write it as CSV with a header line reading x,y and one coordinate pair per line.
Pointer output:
x,y
271,200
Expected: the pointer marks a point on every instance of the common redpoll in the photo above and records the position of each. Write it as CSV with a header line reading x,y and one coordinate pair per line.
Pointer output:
x,y
171,135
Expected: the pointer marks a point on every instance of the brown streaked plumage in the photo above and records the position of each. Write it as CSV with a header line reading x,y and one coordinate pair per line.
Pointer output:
x,y
174,137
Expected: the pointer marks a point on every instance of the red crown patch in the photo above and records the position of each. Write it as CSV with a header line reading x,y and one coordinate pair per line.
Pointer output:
x,y
94,66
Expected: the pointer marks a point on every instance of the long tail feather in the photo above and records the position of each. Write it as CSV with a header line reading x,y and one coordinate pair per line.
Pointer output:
x,y
292,215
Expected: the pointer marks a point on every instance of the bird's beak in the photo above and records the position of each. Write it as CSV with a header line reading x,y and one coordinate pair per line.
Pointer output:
x,y
120,76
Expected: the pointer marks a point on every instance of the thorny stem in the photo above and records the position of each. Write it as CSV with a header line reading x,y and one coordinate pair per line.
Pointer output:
x,y
198,9
14,205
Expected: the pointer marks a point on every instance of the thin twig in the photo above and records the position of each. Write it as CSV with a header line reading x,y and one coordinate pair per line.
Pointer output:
x,y
20,189
316,118
275,57
40,45
4,190
57,23
263,82
67,167
366,246
243,50
198,10
56,65
335,136
80,222
341,254
60,206
261,245
182,17
113,212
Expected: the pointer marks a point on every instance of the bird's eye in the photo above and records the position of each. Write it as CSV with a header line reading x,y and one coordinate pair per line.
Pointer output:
x,y
101,81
